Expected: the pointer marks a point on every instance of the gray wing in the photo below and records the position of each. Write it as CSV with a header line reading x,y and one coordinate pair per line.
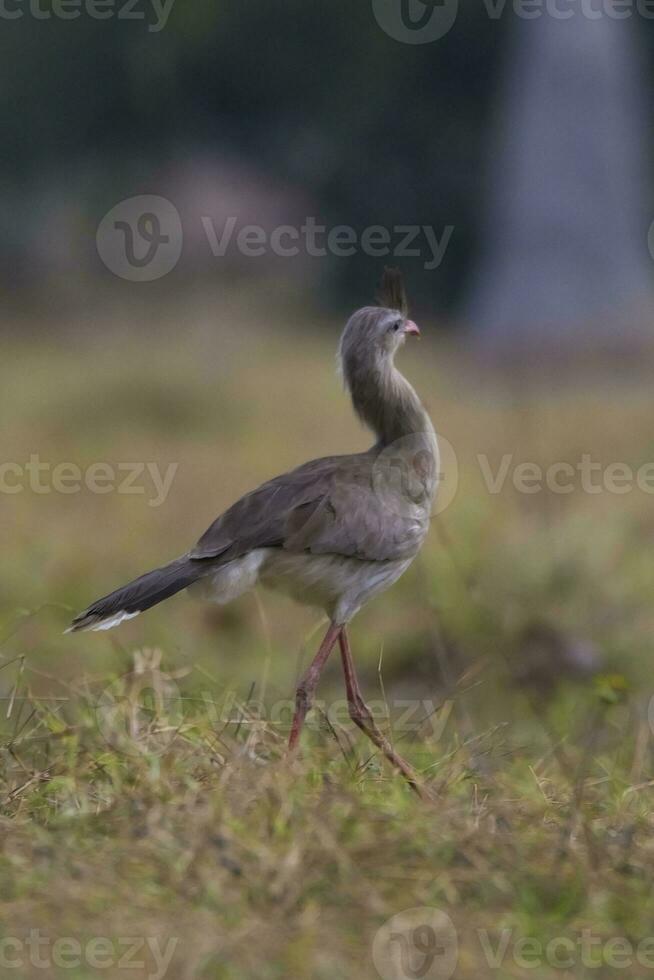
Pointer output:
x,y
327,506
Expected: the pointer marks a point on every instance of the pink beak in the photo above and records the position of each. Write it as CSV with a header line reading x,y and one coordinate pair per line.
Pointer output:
x,y
411,327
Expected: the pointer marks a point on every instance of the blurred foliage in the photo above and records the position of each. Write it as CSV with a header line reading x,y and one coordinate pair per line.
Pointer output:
x,y
377,131
316,95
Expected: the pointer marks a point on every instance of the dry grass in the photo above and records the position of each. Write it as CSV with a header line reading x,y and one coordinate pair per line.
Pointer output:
x,y
172,813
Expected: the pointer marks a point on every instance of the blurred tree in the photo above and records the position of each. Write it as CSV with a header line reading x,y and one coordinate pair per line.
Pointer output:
x,y
316,97
565,257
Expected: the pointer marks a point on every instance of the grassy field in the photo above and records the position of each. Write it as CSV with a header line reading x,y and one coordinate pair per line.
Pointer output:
x,y
150,823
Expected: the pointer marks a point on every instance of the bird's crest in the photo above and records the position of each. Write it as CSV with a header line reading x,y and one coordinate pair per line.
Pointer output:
x,y
392,293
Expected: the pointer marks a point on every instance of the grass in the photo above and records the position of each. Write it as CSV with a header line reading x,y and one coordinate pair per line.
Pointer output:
x,y
144,792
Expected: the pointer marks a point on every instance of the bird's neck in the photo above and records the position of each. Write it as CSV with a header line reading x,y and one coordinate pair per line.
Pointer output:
x,y
387,403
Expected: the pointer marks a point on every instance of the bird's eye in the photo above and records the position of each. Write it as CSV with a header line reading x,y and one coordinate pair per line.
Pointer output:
x,y
397,325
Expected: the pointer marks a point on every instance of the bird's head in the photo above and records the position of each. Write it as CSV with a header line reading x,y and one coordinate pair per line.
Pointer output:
x,y
373,334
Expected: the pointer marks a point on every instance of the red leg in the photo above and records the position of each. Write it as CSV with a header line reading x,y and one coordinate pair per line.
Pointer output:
x,y
362,717
307,686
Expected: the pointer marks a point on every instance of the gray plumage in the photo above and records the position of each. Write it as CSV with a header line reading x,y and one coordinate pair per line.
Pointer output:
x,y
334,531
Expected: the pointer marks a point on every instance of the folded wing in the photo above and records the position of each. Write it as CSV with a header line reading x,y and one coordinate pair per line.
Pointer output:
x,y
327,506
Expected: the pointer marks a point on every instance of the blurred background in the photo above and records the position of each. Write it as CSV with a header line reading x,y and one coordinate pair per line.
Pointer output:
x,y
524,134
196,195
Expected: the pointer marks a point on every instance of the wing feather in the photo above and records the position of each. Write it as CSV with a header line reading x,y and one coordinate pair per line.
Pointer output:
x,y
327,506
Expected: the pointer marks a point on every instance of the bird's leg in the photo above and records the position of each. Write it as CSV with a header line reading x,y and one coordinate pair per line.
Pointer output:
x,y
307,686
362,717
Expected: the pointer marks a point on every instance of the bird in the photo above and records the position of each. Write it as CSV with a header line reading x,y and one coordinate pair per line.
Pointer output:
x,y
332,533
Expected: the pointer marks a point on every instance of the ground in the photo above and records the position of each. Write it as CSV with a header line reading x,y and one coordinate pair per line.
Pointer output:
x,y
148,814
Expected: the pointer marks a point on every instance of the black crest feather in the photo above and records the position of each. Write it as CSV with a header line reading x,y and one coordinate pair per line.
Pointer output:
x,y
392,293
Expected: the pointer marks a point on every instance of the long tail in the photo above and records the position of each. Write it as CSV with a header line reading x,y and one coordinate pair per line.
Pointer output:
x,y
143,592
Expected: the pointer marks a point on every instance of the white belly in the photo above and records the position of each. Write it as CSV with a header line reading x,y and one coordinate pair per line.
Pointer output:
x,y
334,583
